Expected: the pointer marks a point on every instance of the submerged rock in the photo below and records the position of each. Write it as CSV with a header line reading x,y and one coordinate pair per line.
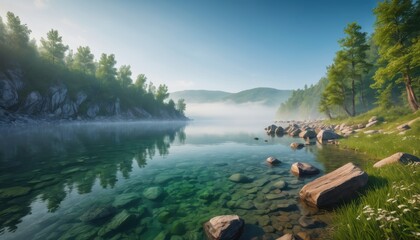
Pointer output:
x,y
296,145
240,178
273,161
116,223
225,227
97,213
13,192
338,185
280,184
400,157
124,199
303,169
153,193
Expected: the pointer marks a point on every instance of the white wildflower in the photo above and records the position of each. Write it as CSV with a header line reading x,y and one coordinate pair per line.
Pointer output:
x,y
406,210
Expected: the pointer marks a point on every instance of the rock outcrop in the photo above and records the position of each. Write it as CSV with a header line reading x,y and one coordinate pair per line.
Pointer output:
x,y
225,227
339,185
398,157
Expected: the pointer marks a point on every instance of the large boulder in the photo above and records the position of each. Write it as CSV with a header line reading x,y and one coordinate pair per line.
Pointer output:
x,y
58,95
153,193
279,131
308,134
325,135
303,169
295,132
271,129
338,185
225,227
296,145
400,157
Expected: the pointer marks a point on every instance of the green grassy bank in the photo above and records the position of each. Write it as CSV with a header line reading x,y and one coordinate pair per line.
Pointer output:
x,y
388,207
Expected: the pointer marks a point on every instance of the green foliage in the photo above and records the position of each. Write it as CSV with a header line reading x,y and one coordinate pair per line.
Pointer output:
x,y
53,48
106,70
141,82
124,75
397,32
2,32
83,61
303,103
181,106
162,93
17,33
348,69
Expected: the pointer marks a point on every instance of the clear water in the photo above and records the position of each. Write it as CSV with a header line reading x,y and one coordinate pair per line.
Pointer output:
x,y
87,181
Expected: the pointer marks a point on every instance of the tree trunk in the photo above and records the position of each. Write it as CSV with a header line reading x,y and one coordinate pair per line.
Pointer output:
x,y
411,96
362,96
353,96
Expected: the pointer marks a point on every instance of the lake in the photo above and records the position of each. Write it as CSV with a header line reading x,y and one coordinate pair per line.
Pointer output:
x,y
143,180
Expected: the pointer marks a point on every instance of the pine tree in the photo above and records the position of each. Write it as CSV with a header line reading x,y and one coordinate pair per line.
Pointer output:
x,y
53,48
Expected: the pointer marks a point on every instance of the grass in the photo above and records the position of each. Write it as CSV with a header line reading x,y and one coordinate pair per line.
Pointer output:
x,y
389,206
388,209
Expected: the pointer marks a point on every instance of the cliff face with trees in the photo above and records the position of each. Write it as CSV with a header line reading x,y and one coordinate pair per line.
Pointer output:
x,y
381,70
50,81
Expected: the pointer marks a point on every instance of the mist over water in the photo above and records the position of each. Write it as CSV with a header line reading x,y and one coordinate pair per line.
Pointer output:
x,y
230,111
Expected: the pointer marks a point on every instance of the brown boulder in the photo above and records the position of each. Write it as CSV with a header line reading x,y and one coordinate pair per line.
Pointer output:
x,y
338,185
224,227
303,169
325,135
401,157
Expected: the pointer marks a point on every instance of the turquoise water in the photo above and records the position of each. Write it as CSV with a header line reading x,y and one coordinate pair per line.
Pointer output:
x,y
152,180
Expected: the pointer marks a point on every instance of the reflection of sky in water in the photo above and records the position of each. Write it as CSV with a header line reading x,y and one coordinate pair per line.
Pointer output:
x,y
112,159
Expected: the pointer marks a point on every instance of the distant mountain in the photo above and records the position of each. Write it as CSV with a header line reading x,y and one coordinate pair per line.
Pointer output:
x,y
199,96
266,96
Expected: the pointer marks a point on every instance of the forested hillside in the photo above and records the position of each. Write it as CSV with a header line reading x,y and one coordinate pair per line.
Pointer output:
x,y
51,81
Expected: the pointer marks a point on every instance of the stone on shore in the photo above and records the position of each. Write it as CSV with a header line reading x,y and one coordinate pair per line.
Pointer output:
x,y
371,123
338,185
224,227
403,127
308,134
303,169
325,135
400,157
273,161
279,131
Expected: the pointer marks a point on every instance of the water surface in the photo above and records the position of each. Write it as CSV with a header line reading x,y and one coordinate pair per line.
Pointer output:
x,y
152,180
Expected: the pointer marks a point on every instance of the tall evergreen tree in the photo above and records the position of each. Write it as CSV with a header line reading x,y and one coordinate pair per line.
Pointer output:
x,y
53,48
83,60
17,33
162,93
106,70
397,30
124,75
181,106
141,82
2,32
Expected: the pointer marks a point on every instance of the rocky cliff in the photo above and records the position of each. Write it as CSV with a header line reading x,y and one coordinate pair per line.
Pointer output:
x,y
18,104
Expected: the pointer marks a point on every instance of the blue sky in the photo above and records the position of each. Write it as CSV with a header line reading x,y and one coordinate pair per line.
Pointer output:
x,y
227,45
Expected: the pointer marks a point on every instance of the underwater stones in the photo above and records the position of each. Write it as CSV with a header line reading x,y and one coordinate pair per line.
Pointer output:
x,y
303,169
240,178
163,178
296,145
124,199
338,185
164,216
225,227
97,213
247,205
308,222
273,161
178,228
153,193
275,196
13,192
284,206
120,220
400,157
280,184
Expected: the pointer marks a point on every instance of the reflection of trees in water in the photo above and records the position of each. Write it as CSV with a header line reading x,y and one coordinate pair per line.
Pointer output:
x,y
51,162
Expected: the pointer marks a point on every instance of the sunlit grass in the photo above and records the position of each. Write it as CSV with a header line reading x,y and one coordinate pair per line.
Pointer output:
x,y
389,206
388,209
